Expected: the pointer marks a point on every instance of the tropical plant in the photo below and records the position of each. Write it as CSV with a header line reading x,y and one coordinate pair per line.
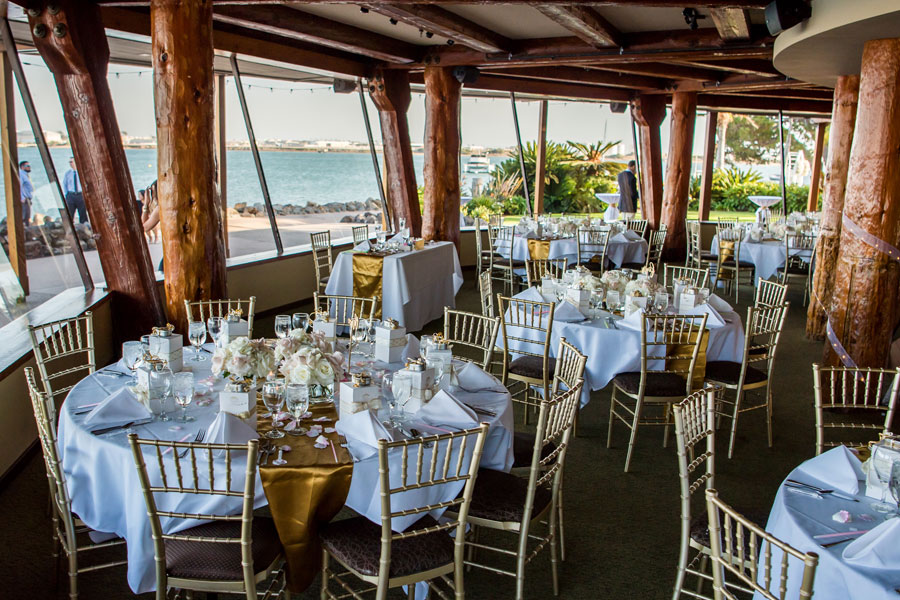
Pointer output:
x,y
733,176
592,158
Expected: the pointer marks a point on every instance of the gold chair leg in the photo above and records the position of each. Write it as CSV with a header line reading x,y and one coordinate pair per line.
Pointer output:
x,y
612,416
561,526
634,428
323,594
769,411
554,567
739,393
666,426
704,560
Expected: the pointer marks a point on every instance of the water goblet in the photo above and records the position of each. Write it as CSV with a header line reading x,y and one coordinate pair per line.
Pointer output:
x,y
300,320
882,462
358,335
273,398
613,300
370,337
296,396
131,355
387,392
894,486
282,326
215,325
661,302
402,389
145,344
160,384
183,389
197,335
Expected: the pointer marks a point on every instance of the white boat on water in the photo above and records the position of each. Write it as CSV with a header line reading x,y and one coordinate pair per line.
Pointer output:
x,y
478,163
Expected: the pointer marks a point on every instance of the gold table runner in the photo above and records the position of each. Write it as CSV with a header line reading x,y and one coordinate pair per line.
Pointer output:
x,y
539,249
305,493
368,273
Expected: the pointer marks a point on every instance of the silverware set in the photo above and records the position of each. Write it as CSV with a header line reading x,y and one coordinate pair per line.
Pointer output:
x,y
197,439
266,450
793,483
481,411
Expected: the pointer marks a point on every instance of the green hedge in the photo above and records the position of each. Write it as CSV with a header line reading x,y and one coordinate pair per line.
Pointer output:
x,y
735,198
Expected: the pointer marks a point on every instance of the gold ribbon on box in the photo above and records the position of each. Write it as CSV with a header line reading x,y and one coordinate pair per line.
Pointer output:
x,y
305,494
368,273
539,249
678,357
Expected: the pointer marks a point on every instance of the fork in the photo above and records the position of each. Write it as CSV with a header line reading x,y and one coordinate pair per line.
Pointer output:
x,y
197,439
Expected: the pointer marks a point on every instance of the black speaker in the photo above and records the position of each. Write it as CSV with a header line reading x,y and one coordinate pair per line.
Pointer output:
x,y
343,86
618,107
466,74
784,14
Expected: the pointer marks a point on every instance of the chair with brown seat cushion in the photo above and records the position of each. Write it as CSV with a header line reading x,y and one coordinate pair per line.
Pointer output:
x,y
592,246
799,252
503,266
425,551
187,559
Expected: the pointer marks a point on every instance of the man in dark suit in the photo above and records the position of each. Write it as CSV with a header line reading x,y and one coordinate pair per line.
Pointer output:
x,y
628,192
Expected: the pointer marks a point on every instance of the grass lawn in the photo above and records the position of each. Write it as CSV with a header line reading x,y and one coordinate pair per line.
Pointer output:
x,y
692,214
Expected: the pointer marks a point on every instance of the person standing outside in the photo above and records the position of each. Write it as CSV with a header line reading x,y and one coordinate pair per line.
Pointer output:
x,y
72,190
26,191
628,192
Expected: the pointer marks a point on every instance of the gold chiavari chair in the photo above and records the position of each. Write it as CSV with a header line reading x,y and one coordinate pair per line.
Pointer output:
x,y
799,249
592,245
526,327
323,260
483,256
769,293
201,310
744,552
66,527
654,251
639,226
504,269
696,277
859,399
506,502
675,341
378,556
496,220
471,331
64,353
343,308
754,371
230,554
537,268
486,290
729,266
697,257
360,234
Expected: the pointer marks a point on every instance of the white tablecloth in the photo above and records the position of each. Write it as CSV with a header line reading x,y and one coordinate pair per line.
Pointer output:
x,y
766,256
416,286
618,252
764,201
797,517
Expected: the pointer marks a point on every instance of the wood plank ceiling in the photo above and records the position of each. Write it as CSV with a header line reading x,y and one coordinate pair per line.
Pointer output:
x,y
611,50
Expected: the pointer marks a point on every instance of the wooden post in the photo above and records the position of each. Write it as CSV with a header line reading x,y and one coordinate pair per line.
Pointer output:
x,y
72,42
812,203
190,217
540,158
678,173
843,122
709,159
648,112
15,229
389,90
864,298
442,94
222,158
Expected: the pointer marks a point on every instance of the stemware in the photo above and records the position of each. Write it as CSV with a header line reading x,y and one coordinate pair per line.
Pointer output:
x,y
160,384
370,337
197,335
183,389
613,300
882,462
145,344
282,325
131,355
215,325
358,335
387,392
661,302
401,388
894,486
296,397
300,320
273,398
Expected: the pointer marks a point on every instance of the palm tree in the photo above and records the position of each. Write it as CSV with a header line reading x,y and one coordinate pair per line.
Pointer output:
x,y
592,158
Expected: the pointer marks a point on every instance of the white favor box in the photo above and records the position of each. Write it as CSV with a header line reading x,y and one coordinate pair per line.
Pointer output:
x,y
326,328
234,329
175,359
143,376
389,350
688,300
238,403
581,299
357,399
633,303
160,345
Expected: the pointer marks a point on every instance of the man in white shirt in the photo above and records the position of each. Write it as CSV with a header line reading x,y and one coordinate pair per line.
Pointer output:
x,y
74,196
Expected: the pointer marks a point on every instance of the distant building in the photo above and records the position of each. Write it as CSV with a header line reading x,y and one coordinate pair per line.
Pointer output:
x,y
53,138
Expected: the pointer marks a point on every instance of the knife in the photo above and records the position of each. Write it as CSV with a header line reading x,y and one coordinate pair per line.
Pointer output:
x,y
108,429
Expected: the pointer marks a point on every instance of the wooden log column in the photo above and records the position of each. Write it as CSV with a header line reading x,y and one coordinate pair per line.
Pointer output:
x,y
812,202
72,42
540,160
190,215
390,93
441,218
15,229
843,122
648,112
865,294
709,159
678,172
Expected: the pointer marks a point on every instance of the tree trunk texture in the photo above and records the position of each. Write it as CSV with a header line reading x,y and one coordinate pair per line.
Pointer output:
x,y
843,122
812,202
540,160
15,229
678,174
390,93
190,216
865,295
709,158
75,49
649,112
441,219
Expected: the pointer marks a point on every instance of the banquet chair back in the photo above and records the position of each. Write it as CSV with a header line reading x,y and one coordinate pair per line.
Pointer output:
x,y
344,308
496,220
638,226
729,266
503,266
201,310
527,327
845,396
360,234
769,293
420,469
537,268
65,527
570,365
207,470
480,256
696,276
799,250
592,246
486,289
743,552
64,353
322,258
692,240
471,331
655,250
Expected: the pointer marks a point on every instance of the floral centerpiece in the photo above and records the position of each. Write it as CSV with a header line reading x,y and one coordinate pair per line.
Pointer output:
x,y
309,359
615,280
642,288
244,358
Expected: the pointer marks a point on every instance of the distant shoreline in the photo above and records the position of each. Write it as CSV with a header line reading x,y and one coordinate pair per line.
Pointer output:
x,y
281,149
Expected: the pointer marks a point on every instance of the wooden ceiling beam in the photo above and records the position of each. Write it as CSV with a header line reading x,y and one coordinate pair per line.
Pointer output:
x,y
665,70
756,67
736,83
306,27
446,24
542,88
583,75
585,22
733,24
657,3
798,93
724,102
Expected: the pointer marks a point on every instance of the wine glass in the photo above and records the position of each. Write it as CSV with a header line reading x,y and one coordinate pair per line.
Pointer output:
x,y
370,337
894,486
300,320
387,392
296,396
282,325
401,389
183,389
661,302
358,335
215,325
882,462
197,335
131,355
160,383
273,398
613,300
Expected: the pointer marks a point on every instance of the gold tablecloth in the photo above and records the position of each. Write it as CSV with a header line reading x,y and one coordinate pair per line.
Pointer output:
x,y
305,493
368,273
538,249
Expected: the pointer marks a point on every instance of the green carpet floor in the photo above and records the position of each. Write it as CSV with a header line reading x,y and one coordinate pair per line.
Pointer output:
x,y
621,529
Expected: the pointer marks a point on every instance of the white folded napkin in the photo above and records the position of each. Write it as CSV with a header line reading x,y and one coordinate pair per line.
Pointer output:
x,y
719,304
119,408
363,430
227,428
445,409
362,246
838,469
531,294
713,321
567,312
877,549
619,237
632,321
412,348
472,378
401,236
632,235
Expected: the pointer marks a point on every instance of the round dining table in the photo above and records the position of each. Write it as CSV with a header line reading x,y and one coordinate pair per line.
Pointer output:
x,y
621,249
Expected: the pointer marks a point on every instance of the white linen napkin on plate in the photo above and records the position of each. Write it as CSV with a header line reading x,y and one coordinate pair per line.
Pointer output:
x,y
445,409
227,428
719,304
714,320
838,469
619,237
119,408
632,235
877,549
632,321
472,378
412,348
362,246
566,312
363,430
